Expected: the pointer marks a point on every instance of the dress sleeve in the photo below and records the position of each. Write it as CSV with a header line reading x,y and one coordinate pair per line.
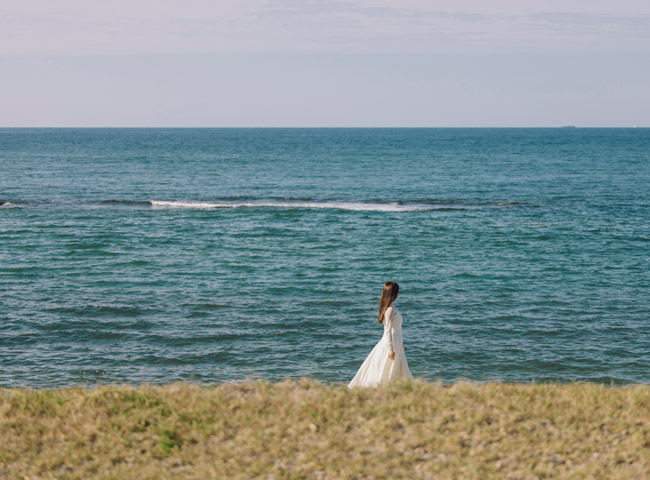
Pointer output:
x,y
388,320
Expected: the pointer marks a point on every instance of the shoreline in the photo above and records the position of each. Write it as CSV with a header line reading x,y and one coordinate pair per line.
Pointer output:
x,y
303,428
437,382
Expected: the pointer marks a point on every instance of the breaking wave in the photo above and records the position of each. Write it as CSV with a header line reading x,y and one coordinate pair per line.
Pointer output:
x,y
357,206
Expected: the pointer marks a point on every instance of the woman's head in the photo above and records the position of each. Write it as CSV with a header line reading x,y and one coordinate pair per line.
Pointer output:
x,y
388,296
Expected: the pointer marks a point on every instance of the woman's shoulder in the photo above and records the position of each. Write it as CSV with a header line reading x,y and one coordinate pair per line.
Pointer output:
x,y
393,310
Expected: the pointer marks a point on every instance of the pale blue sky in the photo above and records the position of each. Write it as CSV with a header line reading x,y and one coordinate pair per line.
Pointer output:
x,y
324,63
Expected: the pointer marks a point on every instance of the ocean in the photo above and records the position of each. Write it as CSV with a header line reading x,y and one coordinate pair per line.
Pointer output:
x,y
212,255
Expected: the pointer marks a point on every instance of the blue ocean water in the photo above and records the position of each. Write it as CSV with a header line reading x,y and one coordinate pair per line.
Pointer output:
x,y
208,255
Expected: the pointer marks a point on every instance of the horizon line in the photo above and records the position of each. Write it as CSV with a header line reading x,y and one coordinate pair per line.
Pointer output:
x,y
569,127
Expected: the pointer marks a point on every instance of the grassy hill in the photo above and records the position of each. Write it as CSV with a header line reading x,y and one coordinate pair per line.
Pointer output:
x,y
307,429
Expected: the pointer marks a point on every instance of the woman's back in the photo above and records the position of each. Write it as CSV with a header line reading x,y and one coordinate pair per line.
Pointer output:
x,y
395,317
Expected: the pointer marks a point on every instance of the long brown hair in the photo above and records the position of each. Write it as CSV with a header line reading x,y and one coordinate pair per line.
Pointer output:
x,y
388,295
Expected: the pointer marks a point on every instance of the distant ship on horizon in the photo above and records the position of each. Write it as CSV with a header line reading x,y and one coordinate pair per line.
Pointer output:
x,y
568,126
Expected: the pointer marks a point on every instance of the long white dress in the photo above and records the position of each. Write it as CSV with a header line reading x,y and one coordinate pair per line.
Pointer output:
x,y
377,367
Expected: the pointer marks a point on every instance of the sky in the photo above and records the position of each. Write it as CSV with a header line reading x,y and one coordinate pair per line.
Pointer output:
x,y
315,63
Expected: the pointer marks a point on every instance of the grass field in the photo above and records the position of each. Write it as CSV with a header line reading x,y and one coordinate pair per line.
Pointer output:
x,y
306,429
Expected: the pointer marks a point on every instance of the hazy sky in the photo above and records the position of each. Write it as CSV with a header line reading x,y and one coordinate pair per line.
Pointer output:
x,y
324,63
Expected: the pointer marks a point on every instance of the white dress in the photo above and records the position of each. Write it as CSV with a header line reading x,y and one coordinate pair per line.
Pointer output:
x,y
377,367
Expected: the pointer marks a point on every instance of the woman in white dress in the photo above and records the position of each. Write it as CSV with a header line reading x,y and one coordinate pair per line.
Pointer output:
x,y
386,363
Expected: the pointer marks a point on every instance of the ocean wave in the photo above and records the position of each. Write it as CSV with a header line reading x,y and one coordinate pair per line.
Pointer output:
x,y
419,205
469,203
356,206
124,202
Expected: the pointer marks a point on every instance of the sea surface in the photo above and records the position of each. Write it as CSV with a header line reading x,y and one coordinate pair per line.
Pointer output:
x,y
211,255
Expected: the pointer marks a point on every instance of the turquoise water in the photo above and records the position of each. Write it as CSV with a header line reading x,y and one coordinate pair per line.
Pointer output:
x,y
208,255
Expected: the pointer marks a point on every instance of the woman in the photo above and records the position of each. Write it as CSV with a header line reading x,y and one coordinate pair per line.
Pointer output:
x,y
386,362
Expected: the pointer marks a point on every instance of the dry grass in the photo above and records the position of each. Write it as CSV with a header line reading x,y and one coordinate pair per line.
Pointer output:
x,y
307,429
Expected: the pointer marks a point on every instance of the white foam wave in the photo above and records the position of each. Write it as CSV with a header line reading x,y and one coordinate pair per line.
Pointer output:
x,y
358,206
